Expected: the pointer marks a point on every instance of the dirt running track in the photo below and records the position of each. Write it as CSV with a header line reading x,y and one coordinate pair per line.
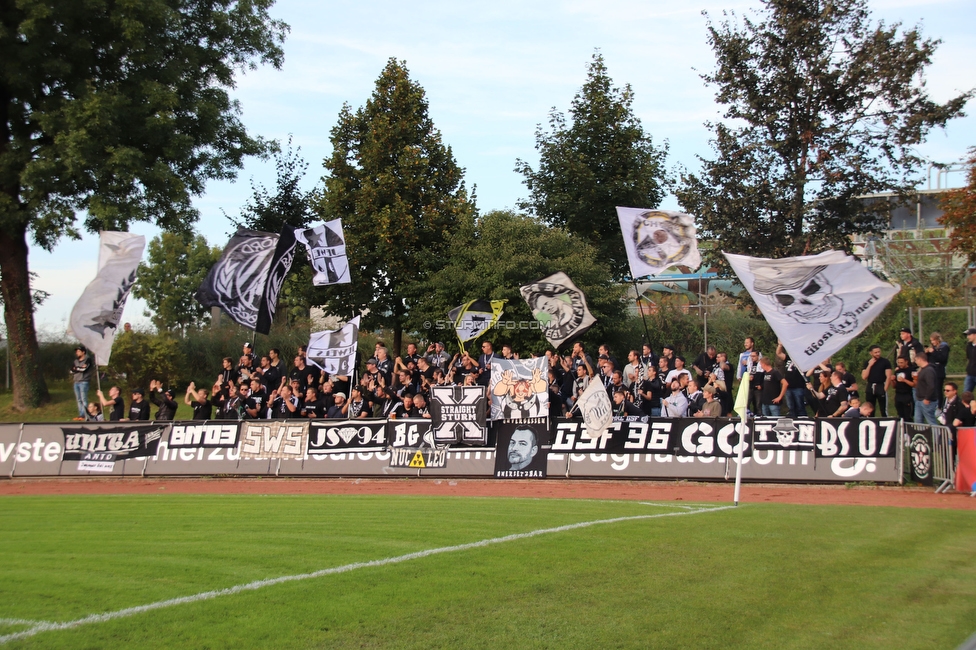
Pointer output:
x,y
903,497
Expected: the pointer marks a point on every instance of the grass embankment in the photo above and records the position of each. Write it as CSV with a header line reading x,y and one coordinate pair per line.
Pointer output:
x,y
759,576
62,407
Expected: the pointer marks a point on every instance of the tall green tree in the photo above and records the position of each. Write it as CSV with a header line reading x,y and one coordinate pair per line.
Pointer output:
x,y
597,160
822,106
119,110
959,212
176,265
496,253
399,192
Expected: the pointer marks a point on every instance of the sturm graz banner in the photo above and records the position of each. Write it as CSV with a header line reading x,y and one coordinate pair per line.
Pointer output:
x,y
679,436
247,279
783,433
920,453
519,388
98,449
327,252
346,435
210,435
522,449
559,306
335,350
658,239
458,414
409,432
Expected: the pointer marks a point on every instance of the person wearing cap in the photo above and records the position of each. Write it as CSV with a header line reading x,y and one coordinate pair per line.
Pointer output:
x,y
230,404
248,351
357,406
338,410
115,401
163,400
139,409
969,385
667,353
82,371
908,346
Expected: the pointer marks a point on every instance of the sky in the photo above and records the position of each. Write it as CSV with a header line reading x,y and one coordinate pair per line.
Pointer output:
x,y
492,73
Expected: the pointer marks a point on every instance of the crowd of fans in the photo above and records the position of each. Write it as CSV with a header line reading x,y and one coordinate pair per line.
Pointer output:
x,y
651,384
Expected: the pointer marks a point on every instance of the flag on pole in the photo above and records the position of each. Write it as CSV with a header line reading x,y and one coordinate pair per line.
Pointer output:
x,y
816,304
327,251
247,279
741,407
95,317
474,318
658,239
559,306
594,404
335,350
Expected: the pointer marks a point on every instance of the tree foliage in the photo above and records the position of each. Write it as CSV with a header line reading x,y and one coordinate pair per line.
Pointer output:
x,y
822,106
120,110
496,253
176,265
600,159
959,213
399,192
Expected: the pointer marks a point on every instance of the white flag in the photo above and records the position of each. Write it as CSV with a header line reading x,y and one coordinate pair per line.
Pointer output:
x,y
559,306
594,404
816,304
95,317
658,239
335,350
327,251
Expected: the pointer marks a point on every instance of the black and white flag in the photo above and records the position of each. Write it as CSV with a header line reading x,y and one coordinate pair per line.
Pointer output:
x,y
95,317
335,350
327,252
816,304
594,404
519,388
658,239
247,279
559,306
458,414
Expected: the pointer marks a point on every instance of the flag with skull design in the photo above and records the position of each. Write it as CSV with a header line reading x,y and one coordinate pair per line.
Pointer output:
x,y
657,240
816,304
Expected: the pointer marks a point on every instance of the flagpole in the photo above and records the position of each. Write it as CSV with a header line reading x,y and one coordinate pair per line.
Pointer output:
x,y
647,335
742,408
98,379
738,465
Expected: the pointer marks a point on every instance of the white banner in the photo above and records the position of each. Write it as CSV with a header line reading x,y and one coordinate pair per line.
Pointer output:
x,y
327,251
596,408
519,388
335,350
96,316
816,304
658,239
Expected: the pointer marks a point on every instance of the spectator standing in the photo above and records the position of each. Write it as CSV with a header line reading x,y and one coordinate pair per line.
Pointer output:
x,y
438,357
162,399
705,364
746,363
139,409
82,371
197,400
833,399
796,384
115,401
773,389
970,384
926,390
904,382
878,376
908,346
938,354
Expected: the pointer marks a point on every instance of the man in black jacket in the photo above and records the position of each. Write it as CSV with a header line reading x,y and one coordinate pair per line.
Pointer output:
x,y
926,390
970,384
163,399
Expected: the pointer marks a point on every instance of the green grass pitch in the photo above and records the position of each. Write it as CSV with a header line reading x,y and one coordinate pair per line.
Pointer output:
x,y
758,576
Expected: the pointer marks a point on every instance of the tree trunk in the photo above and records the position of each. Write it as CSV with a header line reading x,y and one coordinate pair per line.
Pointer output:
x,y
397,338
29,387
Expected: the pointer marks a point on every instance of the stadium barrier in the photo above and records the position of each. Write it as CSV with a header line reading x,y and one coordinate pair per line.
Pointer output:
x,y
943,460
820,451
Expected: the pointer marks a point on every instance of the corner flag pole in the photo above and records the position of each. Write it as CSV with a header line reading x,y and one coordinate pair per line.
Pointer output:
x,y
742,409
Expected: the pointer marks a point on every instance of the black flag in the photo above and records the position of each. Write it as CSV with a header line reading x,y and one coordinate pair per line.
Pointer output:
x,y
245,283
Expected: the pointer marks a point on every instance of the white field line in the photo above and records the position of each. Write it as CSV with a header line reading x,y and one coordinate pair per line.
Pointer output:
x,y
44,626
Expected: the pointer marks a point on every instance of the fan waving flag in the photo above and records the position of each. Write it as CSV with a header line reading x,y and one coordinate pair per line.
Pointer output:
x,y
335,350
816,304
327,251
658,239
472,319
247,279
559,306
95,317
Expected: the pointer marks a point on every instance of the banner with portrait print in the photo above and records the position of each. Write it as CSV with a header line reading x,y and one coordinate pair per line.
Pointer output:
x,y
522,449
